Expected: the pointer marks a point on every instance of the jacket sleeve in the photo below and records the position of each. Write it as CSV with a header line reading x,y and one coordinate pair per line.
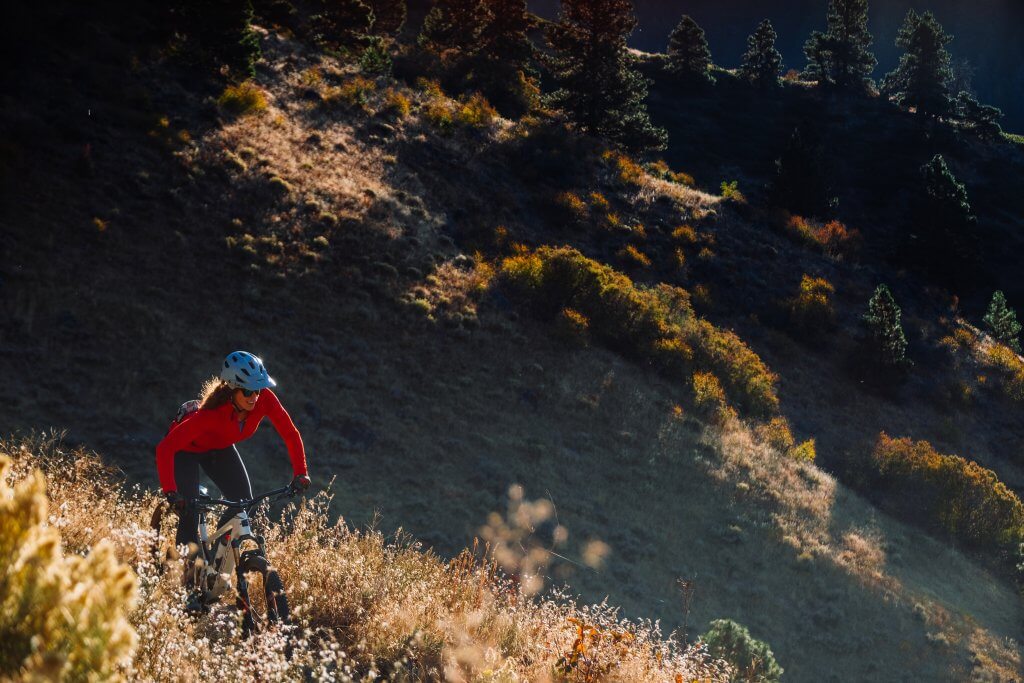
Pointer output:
x,y
282,422
177,439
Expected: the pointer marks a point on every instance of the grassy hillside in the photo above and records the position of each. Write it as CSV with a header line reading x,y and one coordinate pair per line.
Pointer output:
x,y
358,248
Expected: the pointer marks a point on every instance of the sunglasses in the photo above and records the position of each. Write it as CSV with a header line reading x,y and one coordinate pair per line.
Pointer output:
x,y
248,392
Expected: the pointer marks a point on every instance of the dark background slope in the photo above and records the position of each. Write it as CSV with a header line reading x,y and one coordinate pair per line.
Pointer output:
x,y
985,33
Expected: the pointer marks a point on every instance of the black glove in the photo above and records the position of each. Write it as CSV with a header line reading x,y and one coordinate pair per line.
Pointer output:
x,y
177,502
299,484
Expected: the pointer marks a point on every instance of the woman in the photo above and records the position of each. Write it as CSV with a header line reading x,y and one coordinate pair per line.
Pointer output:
x,y
230,409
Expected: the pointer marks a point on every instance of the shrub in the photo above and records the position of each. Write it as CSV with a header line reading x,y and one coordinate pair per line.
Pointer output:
x,y
396,104
776,433
244,98
625,171
811,309
660,169
965,499
599,201
572,206
805,451
731,192
634,256
440,115
644,323
63,617
475,112
752,658
685,234
707,391
572,327
1010,366
833,238
354,92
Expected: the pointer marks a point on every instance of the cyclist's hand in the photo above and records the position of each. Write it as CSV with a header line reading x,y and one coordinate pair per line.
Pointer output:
x,y
299,484
177,501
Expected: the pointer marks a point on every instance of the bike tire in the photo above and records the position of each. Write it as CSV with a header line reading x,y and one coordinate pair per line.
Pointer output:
x,y
275,602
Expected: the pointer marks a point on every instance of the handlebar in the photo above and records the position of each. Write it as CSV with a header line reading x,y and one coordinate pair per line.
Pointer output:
x,y
208,503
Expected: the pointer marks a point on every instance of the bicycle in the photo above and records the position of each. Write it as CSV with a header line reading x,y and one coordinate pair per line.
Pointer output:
x,y
235,548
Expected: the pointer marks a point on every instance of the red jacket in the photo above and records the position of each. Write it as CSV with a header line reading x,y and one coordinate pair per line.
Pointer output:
x,y
207,430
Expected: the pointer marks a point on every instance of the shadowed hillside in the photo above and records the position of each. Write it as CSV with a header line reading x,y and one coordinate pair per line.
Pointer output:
x,y
363,247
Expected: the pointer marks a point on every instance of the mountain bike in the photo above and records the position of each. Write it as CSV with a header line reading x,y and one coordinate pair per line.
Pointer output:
x,y
235,549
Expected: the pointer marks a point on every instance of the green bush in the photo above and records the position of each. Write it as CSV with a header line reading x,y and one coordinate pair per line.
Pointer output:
x,y
656,325
752,658
965,499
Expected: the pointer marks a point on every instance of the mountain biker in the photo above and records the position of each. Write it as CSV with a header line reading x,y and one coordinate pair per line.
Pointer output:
x,y
230,409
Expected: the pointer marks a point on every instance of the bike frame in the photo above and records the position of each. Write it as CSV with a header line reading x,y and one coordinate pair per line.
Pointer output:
x,y
226,553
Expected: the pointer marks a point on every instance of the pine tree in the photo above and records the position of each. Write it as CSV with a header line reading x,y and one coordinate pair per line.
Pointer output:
x,y
841,56
454,26
342,23
921,79
598,88
1002,321
689,56
943,215
982,118
801,181
388,16
885,329
762,62
223,33
503,69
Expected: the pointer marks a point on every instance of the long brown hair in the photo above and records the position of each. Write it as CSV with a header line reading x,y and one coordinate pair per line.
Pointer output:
x,y
215,393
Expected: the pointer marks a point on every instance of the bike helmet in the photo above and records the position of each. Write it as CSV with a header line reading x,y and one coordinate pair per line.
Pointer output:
x,y
242,370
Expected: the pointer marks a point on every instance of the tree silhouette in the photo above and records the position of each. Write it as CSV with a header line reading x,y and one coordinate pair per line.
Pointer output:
x,y
598,88
223,34
841,56
762,62
943,217
981,118
1001,320
454,26
883,320
689,56
503,68
342,23
921,79
801,181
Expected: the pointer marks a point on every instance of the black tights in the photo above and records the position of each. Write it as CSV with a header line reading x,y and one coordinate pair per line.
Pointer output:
x,y
225,468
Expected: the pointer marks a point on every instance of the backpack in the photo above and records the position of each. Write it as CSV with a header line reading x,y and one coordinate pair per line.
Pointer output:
x,y
186,409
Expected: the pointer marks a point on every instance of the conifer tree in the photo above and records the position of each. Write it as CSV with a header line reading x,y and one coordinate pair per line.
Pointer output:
x,y
1001,320
342,23
503,69
598,88
841,56
982,118
921,79
689,56
454,25
762,62
944,217
222,30
885,328
388,16
801,181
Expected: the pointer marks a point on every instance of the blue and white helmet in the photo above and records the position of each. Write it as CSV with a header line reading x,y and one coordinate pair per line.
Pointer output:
x,y
242,370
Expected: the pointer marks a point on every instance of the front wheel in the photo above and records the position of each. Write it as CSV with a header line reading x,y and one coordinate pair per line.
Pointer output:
x,y
263,601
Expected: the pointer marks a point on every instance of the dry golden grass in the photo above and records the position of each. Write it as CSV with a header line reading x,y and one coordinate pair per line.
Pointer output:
x,y
364,607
